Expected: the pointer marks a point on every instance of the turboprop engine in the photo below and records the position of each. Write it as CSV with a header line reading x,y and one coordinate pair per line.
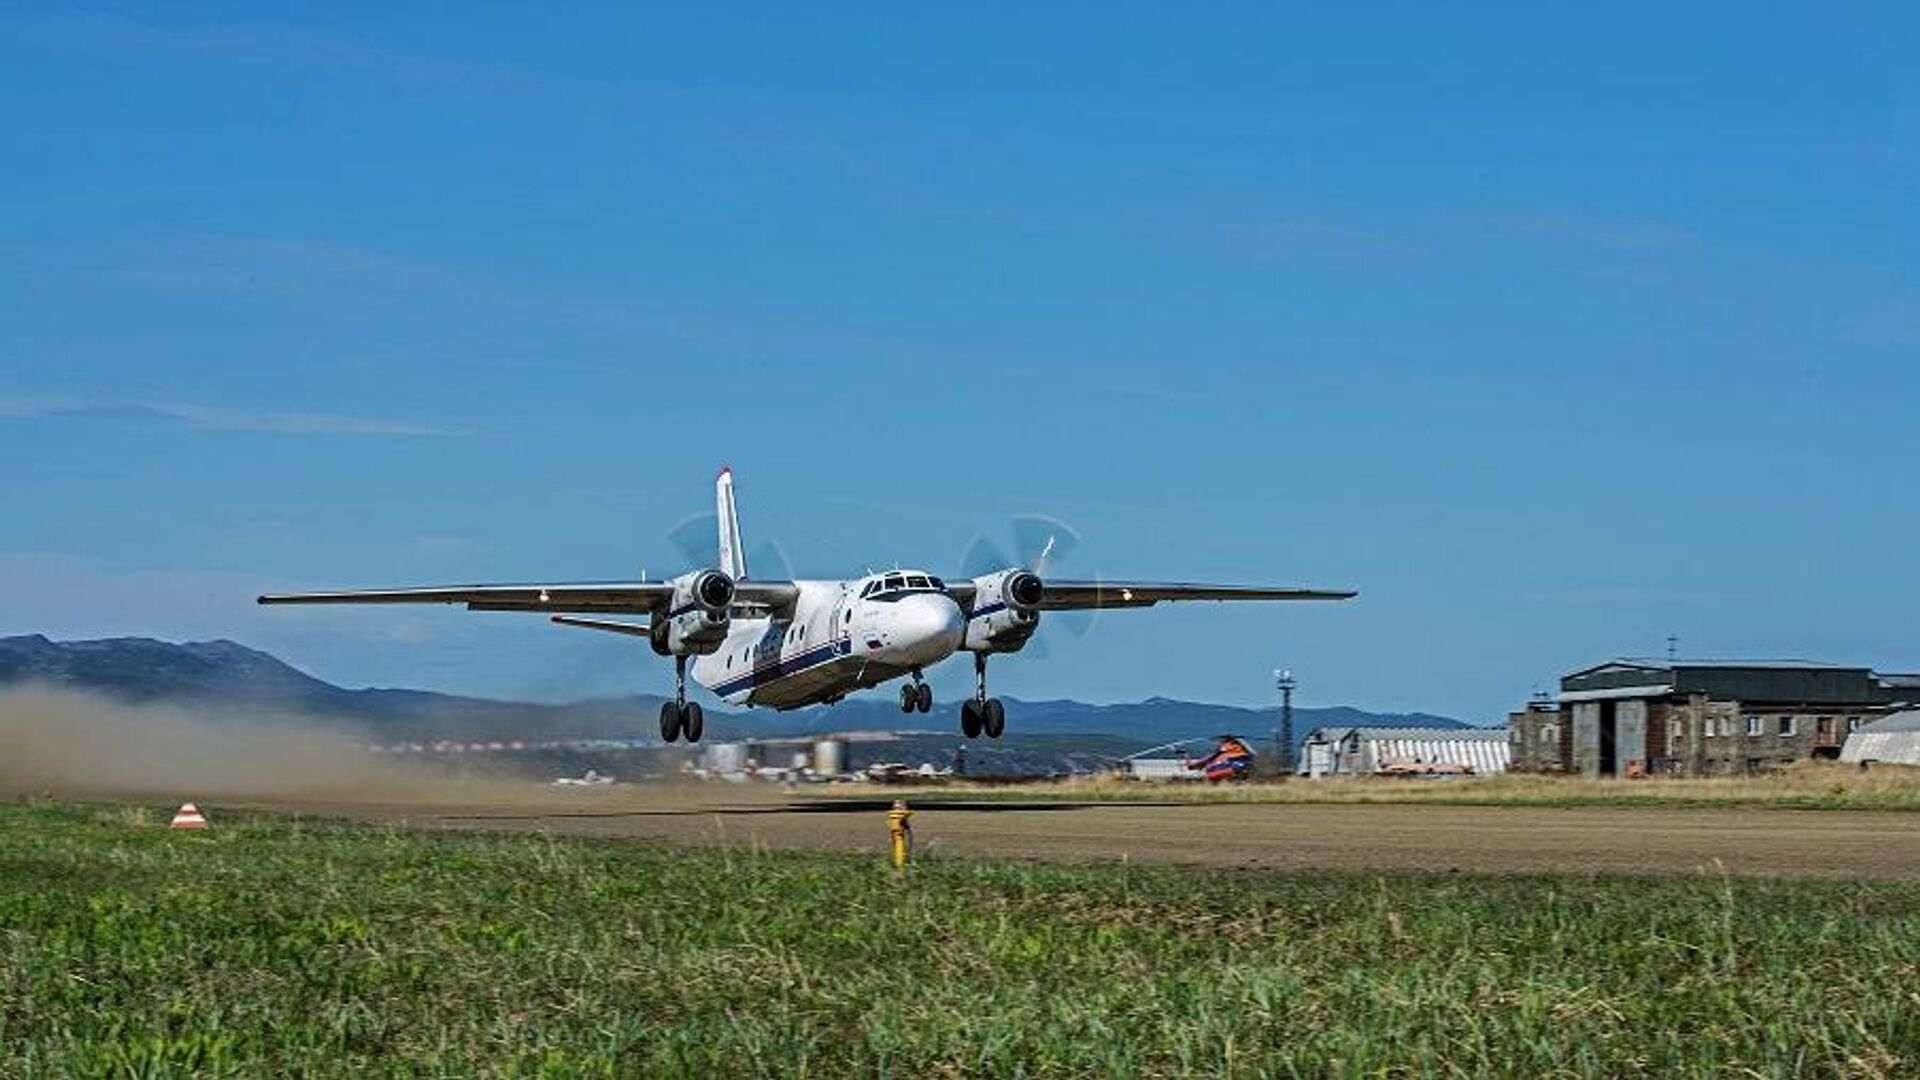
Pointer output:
x,y
697,620
1006,611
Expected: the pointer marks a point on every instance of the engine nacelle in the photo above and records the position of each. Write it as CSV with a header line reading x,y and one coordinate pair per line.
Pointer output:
x,y
1006,611
697,621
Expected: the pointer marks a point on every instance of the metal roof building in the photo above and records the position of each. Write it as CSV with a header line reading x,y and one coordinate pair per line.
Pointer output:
x,y
1637,716
1894,739
1368,750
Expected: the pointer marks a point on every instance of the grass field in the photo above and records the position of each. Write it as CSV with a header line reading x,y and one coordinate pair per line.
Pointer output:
x,y
1806,786
287,947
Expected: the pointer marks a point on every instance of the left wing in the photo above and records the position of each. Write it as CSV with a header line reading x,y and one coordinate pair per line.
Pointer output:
x,y
1081,595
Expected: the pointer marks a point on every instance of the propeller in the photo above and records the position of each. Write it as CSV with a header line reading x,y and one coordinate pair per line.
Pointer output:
x,y
1040,543
696,539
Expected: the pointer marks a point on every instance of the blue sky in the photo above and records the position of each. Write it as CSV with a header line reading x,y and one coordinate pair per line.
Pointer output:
x,y
1555,332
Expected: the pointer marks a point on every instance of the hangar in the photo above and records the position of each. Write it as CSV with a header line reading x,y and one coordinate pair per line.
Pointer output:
x,y
1632,717
1366,751
1894,739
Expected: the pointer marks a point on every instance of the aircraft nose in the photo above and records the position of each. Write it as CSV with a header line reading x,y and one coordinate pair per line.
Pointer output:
x,y
931,627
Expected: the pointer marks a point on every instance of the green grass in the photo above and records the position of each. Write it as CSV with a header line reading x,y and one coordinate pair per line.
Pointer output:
x,y
1805,786
282,947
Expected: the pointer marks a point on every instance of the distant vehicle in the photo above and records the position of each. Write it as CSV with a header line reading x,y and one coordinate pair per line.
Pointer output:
x,y
589,779
785,644
1233,760
899,772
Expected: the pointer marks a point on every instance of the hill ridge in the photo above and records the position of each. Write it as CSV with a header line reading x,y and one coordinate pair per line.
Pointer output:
x,y
230,675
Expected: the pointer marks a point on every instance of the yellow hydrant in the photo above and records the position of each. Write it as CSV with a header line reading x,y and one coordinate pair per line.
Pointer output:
x,y
901,830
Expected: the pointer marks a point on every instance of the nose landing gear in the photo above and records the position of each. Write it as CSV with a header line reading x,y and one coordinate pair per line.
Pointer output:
x,y
916,696
980,714
680,716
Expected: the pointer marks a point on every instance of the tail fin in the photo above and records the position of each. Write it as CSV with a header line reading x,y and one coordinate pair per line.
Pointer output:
x,y
733,556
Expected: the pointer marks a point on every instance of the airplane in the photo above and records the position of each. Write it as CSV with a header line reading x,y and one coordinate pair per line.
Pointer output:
x,y
788,644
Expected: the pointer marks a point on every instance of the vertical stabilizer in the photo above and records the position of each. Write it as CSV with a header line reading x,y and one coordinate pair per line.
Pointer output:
x,y
733,557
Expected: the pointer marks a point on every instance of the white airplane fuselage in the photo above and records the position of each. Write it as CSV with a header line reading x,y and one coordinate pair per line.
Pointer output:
x,y
843,636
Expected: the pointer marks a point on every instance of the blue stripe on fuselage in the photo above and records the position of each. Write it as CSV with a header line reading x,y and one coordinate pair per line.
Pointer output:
x,y
792,665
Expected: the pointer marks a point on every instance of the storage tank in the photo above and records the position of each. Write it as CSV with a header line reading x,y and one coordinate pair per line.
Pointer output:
x,y
830,757
724,758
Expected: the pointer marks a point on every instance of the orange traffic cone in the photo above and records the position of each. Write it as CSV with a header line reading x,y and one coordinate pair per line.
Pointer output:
x,y
189,817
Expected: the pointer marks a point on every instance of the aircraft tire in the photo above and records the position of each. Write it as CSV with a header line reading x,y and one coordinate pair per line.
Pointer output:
x,y
970,718
906,697
993,718
692,722
669,720
923,698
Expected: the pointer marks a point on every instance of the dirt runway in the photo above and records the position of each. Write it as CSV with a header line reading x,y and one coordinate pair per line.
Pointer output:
x,y
1745,841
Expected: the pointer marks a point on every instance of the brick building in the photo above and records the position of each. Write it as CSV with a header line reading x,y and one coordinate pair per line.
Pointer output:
x,y
1700,717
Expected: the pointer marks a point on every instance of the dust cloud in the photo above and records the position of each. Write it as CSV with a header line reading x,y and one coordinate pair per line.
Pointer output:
x,y
57,742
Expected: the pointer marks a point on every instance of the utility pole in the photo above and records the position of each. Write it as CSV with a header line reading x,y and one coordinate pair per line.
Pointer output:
x,y
1283,739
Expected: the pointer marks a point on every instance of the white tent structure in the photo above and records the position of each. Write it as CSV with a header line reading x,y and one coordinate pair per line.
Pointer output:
x,y
1362,751
1893,739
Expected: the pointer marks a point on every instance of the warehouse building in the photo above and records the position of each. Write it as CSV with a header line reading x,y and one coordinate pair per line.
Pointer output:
x,y
1370,751
1893,740
1701,717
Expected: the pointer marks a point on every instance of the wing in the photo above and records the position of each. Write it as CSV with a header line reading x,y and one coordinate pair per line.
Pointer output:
x,y
605,598
1081,595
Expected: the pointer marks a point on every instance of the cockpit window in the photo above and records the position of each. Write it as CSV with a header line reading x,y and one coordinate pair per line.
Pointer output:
x,y
900,584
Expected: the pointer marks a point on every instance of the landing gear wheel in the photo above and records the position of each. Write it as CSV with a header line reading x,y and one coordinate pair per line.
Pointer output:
x,y
907,697
970,718
692,721
923,698
993,718
674,712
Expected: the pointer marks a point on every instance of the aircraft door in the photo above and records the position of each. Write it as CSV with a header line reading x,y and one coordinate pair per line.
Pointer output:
x,y
866,627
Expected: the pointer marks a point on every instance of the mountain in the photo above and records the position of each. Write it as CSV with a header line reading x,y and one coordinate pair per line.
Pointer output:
x,y
230,676
234,678
1156,720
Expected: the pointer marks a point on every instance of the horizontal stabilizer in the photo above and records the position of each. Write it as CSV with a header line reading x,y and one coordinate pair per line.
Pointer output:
x,y
611,626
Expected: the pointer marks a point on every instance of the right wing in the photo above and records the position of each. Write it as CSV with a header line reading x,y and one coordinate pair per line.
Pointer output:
x,y
608,598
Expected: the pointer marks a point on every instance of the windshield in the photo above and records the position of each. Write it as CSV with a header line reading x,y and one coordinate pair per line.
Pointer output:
x,y
903,583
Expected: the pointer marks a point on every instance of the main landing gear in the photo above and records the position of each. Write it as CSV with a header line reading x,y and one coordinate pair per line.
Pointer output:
x,y
980,714
680,716
916,696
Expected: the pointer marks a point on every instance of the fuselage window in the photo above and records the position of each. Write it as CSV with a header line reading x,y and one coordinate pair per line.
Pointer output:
x,y
937,583
917,581
894,581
